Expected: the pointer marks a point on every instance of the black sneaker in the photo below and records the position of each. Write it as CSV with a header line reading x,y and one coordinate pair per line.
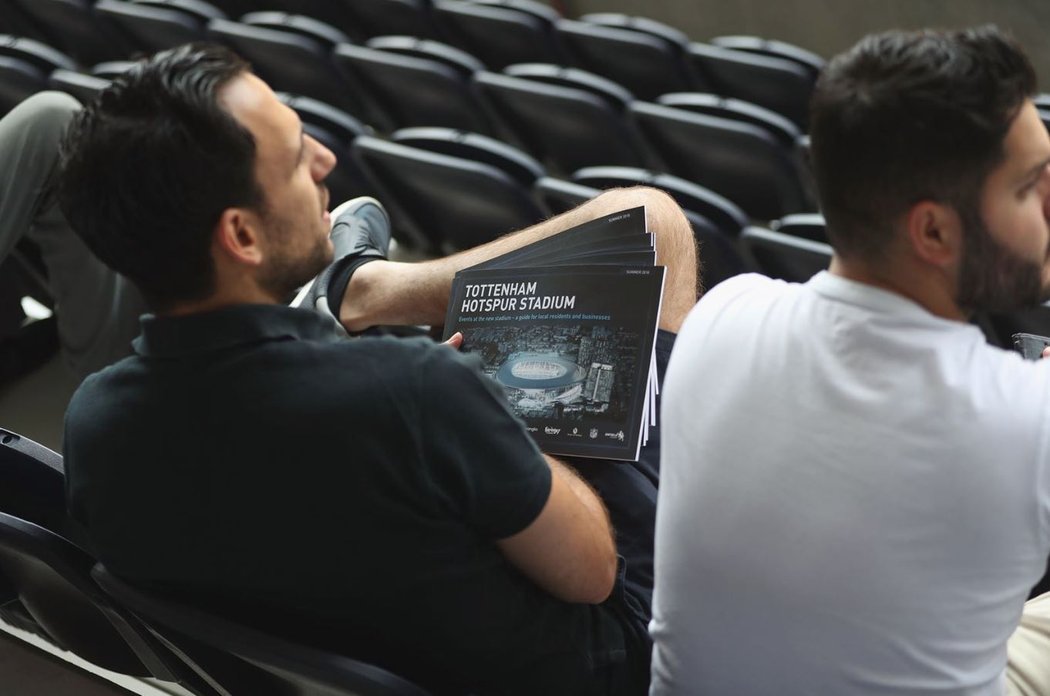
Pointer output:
x,y
360,234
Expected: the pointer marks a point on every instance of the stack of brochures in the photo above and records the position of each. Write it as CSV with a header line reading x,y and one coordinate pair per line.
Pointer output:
x,y
567,327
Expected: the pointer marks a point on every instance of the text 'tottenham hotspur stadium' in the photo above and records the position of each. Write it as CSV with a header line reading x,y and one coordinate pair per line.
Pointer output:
x,y
560,372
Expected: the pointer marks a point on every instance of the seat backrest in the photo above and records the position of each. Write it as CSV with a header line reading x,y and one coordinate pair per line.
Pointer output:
x,y
368,18
559,195
476,147
564,127
323,33
244,660
459,60
32,482
498,34
82,86
51,579
443,202
720,211
331,12
778,84
734,109
151,27
288,61
404,91
562,76
784,256
77,30
809,226
42,56
740,161
719,256
643,25
774,49
201,10
643,63
336,121
18,80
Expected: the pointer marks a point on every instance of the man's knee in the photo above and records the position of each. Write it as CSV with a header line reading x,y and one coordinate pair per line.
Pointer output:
x,y
41,119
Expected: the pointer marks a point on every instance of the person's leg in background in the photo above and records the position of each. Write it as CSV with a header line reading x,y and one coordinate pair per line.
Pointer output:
x,y
1028,651
96,309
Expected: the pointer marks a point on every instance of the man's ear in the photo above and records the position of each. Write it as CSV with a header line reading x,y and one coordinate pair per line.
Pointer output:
x,y
934,231
237,236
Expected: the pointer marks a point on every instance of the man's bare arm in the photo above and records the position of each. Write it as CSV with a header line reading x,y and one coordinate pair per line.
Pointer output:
x,y
568,549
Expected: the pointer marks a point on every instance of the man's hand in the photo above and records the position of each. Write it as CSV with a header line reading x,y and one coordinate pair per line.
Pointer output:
x,y
455,340
568,550
1046,351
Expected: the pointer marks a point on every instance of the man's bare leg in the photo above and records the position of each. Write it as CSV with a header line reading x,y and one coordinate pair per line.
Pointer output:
x,y
387,292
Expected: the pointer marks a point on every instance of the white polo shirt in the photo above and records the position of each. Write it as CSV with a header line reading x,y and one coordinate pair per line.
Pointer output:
x,y
854,497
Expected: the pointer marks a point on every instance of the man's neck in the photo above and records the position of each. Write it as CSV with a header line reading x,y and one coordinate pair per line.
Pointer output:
x,y
220,299
921,286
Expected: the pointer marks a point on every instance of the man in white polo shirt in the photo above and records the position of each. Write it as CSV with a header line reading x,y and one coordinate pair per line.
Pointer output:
x,y
855,491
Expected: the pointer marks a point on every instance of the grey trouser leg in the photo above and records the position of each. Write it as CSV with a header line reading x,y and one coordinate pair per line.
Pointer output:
x,y
97,309
1028,651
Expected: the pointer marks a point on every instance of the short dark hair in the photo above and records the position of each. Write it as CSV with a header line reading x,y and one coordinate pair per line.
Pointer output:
x,y
910,116
149,166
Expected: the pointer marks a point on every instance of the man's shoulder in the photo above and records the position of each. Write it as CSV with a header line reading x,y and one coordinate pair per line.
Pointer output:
x,y
744,283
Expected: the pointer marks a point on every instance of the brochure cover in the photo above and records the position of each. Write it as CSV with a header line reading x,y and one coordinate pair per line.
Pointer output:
x,y
572,345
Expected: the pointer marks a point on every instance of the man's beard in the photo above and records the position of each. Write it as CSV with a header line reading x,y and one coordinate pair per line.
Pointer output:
x,y
992,277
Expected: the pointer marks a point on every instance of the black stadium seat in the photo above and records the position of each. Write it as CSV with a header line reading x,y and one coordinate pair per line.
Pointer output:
x,y
774,49
428,49
445,203
559,195
645,64
323,33
473,146
403,90
784,256
643,25
723,213
368,18
809,226
738,160
153,28
716,221
500,34
289,61
51,578
18,80
41,55
733,109
565,127
778,84
25,65
562,76
81,85
243,660
74,27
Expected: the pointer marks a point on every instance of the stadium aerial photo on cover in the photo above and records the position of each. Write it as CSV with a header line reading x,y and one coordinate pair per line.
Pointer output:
x,y
551,371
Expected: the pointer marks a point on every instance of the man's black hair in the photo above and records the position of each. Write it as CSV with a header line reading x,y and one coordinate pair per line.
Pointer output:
x,y
149,166
909,116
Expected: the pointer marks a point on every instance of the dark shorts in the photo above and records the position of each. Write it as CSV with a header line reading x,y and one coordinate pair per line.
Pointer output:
x,y
629,490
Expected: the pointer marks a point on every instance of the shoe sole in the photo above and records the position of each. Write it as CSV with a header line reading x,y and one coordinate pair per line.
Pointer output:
x,y
344,207
354,204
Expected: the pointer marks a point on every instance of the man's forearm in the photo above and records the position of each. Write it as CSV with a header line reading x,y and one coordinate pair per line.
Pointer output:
x,y
588,497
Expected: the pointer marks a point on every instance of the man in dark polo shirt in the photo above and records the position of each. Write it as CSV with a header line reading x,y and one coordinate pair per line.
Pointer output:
x,y
375,494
